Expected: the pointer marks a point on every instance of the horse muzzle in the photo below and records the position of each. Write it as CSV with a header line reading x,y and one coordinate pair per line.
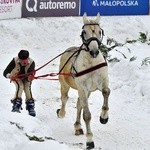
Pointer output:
x,y
94,53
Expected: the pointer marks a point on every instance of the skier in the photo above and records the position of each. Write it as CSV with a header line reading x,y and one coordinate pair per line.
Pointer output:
x,y
19,65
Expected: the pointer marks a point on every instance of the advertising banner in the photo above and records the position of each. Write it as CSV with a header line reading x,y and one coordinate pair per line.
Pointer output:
x,y
50,8
10,9
115,7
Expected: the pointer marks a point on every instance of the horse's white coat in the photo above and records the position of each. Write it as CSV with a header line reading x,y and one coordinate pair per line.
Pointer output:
x,y
97,80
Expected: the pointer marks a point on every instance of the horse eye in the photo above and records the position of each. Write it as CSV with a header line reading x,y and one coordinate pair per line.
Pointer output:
x,y
99,32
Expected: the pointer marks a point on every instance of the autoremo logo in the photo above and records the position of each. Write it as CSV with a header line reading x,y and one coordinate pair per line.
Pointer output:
x,y
31,5
57,5
34,5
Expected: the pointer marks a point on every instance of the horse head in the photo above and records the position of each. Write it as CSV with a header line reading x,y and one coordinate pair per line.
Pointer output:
x,y
92,35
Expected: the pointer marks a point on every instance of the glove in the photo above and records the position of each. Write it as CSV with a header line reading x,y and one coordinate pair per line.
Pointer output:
x,y
31,77
12,76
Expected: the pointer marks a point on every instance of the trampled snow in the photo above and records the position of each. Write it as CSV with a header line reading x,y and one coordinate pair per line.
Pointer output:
x,y
128,127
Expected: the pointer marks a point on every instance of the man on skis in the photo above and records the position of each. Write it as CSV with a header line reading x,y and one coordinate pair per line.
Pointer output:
x,y
22,65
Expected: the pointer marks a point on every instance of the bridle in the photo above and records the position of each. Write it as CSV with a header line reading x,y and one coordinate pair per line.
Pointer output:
x,y
86,42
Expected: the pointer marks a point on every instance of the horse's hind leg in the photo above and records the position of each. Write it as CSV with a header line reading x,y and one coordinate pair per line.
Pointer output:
x,y
105,108
77,125
64,97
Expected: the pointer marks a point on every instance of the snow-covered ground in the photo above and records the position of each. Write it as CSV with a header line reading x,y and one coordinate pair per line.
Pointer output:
x,y
129,115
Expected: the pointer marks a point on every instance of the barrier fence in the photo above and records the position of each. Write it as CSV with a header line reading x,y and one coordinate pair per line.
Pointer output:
x,y
57,8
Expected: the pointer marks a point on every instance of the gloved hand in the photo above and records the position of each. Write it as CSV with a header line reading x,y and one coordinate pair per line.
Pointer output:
x,y
12,76
31,77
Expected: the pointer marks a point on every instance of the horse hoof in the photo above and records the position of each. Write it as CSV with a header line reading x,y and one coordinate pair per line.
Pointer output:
x,y
90,145
79,132
60,114
103,121
58,110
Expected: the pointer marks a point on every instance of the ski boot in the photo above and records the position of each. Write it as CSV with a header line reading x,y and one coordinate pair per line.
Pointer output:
x,y
30,107
16,105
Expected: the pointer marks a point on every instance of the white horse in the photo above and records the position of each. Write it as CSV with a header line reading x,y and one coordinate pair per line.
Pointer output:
x,y
88,72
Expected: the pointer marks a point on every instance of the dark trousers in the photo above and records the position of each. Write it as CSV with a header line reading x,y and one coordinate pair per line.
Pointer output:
x,y
23,86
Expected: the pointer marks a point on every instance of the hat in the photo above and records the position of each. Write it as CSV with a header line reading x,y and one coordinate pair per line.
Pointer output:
x,y
23,54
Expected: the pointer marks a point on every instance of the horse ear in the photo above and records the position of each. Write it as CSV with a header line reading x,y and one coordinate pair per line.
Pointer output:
x,y
85,20
98,17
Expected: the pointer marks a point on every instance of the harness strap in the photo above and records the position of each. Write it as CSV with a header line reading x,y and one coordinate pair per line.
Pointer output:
x,y
52,75
78,74
77,51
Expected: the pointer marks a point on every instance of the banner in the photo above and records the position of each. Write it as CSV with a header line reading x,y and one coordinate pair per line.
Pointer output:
x,y
10,9
115,7
50,8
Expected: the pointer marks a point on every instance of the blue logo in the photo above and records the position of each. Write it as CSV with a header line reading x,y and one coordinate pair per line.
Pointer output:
x,y
115,7
95,3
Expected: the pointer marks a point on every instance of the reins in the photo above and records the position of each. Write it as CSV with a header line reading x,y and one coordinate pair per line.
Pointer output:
x,y
27,74
78,51
22,76
77,74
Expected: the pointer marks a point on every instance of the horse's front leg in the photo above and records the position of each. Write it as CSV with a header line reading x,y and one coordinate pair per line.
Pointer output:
x,y
105,108
77,125
83,97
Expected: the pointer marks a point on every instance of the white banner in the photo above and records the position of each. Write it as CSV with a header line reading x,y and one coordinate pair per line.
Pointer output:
x,y
10,9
